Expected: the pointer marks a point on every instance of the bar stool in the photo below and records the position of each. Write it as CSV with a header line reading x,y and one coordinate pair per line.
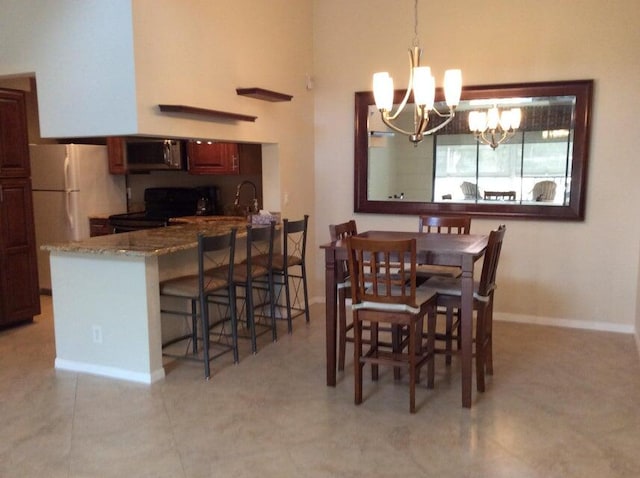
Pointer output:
x,y
289,269
213,284
255,278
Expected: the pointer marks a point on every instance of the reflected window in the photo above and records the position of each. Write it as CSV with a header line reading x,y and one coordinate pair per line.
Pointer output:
x,y
534,166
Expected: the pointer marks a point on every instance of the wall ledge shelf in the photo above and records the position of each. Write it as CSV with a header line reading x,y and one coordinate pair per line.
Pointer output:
x,y
262,94
212,114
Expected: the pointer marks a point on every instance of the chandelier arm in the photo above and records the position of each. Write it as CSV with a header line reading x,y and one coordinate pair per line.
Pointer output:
x,y
412,62
439,127
394,127
451,112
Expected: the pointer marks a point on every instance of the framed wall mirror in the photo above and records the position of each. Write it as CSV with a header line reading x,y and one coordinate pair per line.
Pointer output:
x,y
540,171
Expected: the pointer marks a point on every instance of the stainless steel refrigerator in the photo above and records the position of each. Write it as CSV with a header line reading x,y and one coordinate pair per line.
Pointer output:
x,y
70,183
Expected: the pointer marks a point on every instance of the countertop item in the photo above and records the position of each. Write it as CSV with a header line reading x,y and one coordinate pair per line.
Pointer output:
x,y
151,242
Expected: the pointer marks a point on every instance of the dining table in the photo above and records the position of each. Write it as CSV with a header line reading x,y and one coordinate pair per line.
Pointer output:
x,y
462,250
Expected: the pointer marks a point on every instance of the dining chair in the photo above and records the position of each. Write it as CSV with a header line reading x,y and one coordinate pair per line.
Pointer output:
x,y
443,225
384,291
213,284
341,232
449,293
290,270
255,280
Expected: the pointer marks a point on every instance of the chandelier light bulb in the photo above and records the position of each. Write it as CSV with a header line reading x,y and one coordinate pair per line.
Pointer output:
x,y
424,87
452,87
383,91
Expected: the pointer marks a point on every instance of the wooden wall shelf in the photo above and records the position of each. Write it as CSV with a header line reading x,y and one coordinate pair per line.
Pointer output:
x,y
262,94
213,114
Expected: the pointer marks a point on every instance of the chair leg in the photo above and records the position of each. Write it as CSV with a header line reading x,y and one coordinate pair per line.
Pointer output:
x,y
357,363
234,323
287,293
303,269
480,350
342,328
251,321
396,339
194,325
412,366
204,312
374,346
449,336
431,346
272,307
488,326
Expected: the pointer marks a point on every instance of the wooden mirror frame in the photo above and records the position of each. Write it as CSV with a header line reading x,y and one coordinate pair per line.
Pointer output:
x,y
575,210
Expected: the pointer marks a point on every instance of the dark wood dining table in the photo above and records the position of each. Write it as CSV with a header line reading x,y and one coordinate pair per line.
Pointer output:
x,y
461,250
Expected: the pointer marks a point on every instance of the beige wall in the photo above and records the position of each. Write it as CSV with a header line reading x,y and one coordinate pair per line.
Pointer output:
x,y
571,273
91,81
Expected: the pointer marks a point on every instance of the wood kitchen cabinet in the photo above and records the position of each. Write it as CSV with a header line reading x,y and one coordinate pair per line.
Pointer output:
x,y
99,226
224,158
115,151
19,294
14,140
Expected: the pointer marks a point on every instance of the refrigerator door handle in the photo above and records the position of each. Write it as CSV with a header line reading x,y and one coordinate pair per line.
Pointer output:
x,y
68,209
67,194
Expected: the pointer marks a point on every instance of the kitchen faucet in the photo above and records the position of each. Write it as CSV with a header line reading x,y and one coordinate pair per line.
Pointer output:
x,y
236,203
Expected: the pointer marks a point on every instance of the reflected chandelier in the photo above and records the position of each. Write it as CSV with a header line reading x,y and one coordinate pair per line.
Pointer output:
x,y
494,127
423,85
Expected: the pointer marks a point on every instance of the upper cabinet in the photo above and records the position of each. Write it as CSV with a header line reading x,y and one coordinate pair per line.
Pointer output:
x,y
115,150
202,157
224,158
14,142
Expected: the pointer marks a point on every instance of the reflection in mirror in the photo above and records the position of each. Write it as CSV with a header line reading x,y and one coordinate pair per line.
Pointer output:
x,y
538,172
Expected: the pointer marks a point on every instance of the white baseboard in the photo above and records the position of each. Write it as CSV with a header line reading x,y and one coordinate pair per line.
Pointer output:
x,y
112,372
568,323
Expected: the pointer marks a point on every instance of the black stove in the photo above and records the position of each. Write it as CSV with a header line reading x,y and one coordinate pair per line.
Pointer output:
x,y
161,204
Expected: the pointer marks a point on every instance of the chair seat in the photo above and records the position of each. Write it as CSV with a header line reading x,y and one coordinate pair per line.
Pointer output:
x,y
450,286
241,273
423,295
187,286
432,270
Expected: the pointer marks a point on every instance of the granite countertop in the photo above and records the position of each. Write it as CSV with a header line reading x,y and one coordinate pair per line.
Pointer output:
x,y
151,242
206,219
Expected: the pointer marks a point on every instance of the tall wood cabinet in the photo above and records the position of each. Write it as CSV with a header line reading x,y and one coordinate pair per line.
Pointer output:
x,y
19,295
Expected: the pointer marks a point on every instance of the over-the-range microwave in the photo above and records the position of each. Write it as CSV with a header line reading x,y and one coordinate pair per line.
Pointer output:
x,y
154,154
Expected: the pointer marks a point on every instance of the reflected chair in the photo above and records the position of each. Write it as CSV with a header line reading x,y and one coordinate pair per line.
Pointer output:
x,y
213,284
341,232
290,270
470,190
384,291
544,191
443,225
449,292
256,283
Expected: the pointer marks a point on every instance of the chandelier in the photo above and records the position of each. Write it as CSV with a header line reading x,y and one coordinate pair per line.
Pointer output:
x,y
494,127
423,85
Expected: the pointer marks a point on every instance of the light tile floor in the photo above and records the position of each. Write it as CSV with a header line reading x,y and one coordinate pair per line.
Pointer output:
x,y
562,403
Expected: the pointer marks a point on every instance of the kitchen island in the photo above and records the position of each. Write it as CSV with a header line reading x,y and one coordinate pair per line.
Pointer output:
x,y
106,298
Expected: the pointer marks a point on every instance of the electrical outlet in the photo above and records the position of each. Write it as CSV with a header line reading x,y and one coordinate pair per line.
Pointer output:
x,y
97,334
128,193
286,198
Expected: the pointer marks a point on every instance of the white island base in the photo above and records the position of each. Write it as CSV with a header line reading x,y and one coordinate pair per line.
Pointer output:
x,y
107,315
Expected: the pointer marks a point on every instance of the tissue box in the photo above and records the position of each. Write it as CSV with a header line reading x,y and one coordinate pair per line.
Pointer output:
x,y
265,218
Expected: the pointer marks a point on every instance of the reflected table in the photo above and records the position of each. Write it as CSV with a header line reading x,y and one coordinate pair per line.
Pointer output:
x,y
461,250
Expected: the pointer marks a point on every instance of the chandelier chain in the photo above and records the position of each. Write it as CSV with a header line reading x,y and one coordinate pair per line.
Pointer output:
x,y
416,41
